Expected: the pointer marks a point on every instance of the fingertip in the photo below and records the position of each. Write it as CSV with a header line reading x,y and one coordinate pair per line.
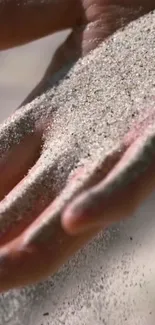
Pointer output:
x,y
15,265
75,220
72,219
68,221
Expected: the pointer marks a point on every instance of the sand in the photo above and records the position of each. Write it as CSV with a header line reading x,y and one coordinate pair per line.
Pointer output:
x,y
88,111
91,109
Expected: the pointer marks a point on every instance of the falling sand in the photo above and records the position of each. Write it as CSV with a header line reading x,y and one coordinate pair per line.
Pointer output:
x,y
88,111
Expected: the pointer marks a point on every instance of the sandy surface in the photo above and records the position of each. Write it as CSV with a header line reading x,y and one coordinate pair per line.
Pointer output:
x,y
111,280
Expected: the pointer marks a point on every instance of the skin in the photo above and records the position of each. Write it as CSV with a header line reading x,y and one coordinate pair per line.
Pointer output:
x,y
27,251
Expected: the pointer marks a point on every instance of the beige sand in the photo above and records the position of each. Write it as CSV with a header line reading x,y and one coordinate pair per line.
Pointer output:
x,y
105,92
90,109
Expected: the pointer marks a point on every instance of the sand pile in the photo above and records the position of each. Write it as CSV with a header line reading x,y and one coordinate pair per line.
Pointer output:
x,y
98,100
90,109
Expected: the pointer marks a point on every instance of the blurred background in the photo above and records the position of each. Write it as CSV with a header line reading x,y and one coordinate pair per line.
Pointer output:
x,y
22,68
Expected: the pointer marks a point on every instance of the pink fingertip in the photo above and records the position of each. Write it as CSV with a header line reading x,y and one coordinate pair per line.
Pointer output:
x,y
75,222
69,221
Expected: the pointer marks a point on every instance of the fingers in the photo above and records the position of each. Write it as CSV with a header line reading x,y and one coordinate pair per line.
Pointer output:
x,y
27,263
96,23
32,195
17,162
43,227
20,144
42,246
23,22
119,194
25,202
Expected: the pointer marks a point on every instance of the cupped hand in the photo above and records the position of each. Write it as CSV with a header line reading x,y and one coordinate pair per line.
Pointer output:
x,y
57,179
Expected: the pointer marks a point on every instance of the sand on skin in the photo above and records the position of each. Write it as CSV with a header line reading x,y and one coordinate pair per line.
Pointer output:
x,y
118,79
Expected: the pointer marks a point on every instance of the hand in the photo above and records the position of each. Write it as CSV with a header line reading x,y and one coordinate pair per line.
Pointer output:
x,y
89,22
41,201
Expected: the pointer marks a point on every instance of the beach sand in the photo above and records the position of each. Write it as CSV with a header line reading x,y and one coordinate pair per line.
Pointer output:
x,y
107,91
